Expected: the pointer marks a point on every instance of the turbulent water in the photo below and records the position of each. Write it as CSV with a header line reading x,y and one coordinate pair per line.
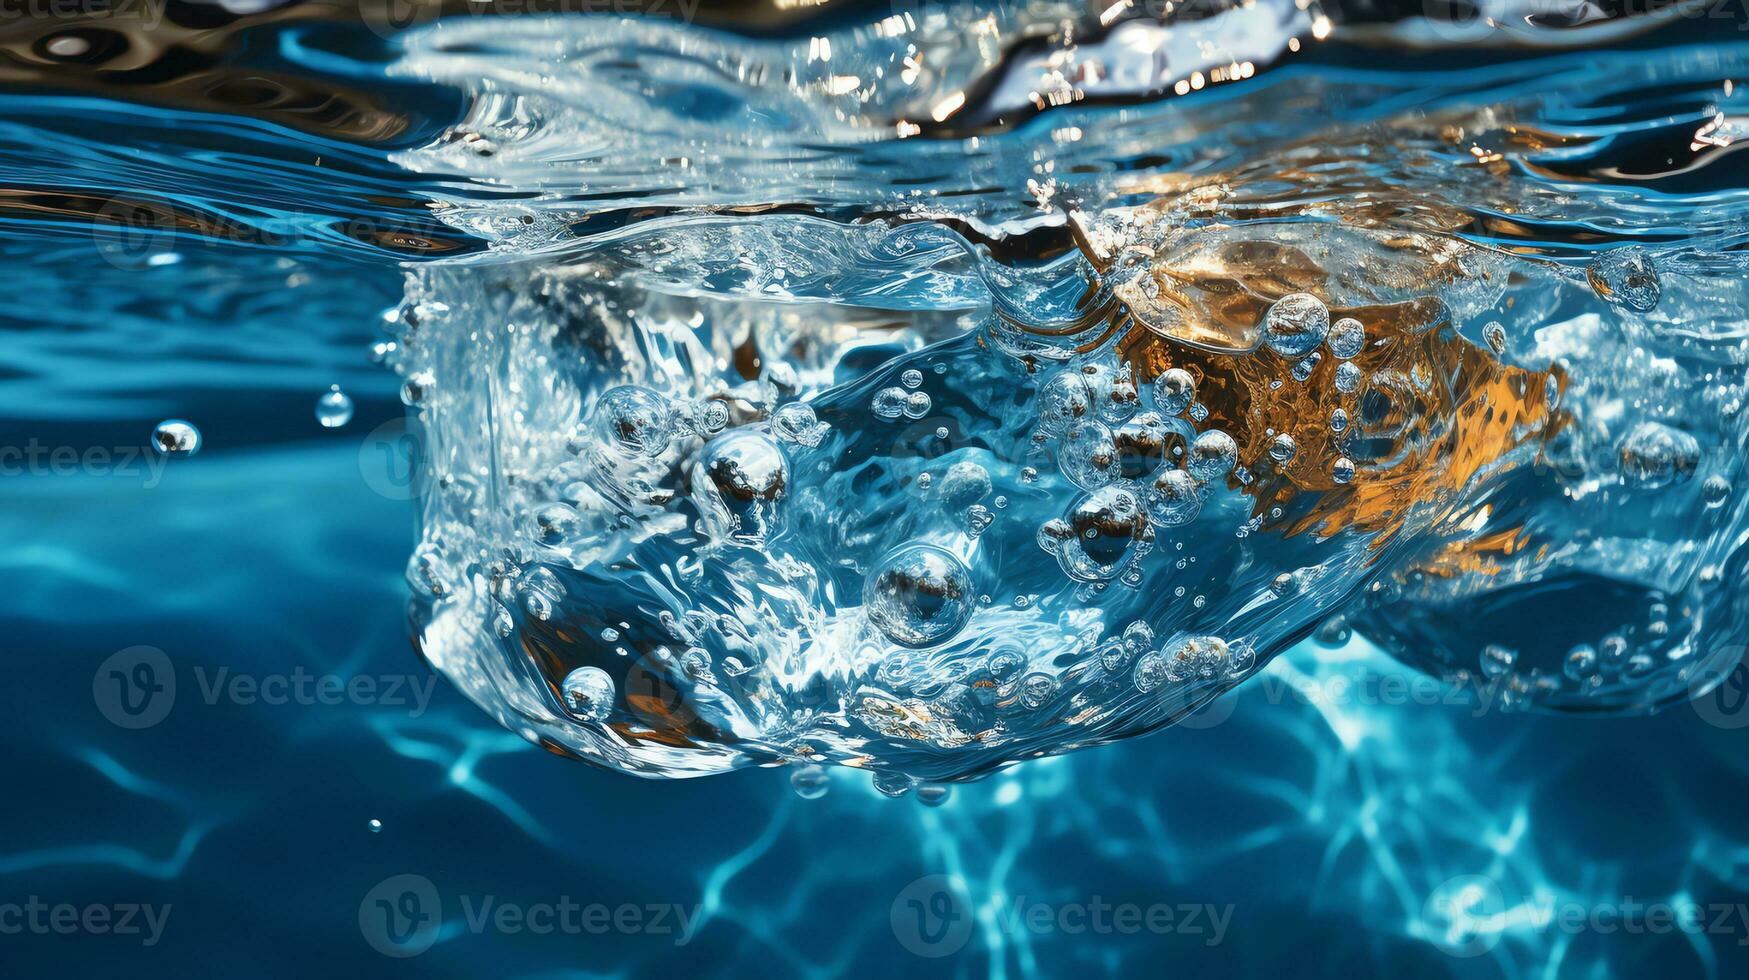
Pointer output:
x,y
918,410
918,388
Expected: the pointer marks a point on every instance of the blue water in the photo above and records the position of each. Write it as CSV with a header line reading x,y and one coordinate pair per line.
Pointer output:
x,y
225,253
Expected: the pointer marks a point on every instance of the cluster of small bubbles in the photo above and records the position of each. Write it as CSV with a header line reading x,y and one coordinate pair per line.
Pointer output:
x,y
634,421
588,693
1581,663
334,408
556,525
1151,672
1036,690
1296,324
174,437
892,784
1346,338
1342,471
1088,455
1173,499
1625,277
1497,660
1304,367
1213,455
417,389
1281,448
918,595
1347,376
933,794
1715,490
1654,455
796,423
1494,334
1339,420
1174,390
911,378
809,782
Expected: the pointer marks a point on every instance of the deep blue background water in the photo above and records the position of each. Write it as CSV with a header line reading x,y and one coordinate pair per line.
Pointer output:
x,y
1327,830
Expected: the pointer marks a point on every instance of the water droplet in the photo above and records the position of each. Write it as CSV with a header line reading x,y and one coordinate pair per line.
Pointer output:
x,y
1088,455
1174,390
911,378
1281,448
1347,376
1581,663
737,482
1715,491
1342,470
1036,690
797,423
810,782
1497,660
917,404
892,784
417,389
1173,499
174,437
557,525
888,403
918,595
1295,324
933,794
1212,456
1339,420
964,484
589,693
334,408
634,421
1495,336
1305,366
375,825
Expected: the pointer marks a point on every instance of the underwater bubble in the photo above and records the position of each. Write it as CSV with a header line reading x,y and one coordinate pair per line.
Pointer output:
x,y
1113,390
1150,672
1334,632
737,482
810,782
1339,420
381,351
1281,448
334,408
1626,277
1062,400
556,525
1004,664
417,389
1639,665
1141,445
1346,338
1614,650
1088,455
375,825
1347,376
933,794
1213,455
174,437
1296,324
918,595
1494,334
1342,470
589,693
1497,660
1581,663
1174,390
888,403
978,519
964,484
1715,491
1101,533
1036,690
917,404
1208,653
634,421
1173,499
893,784
797,423
1654,455
911,378
1282,584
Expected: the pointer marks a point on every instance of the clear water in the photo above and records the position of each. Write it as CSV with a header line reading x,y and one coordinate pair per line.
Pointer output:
x,y
1061,479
